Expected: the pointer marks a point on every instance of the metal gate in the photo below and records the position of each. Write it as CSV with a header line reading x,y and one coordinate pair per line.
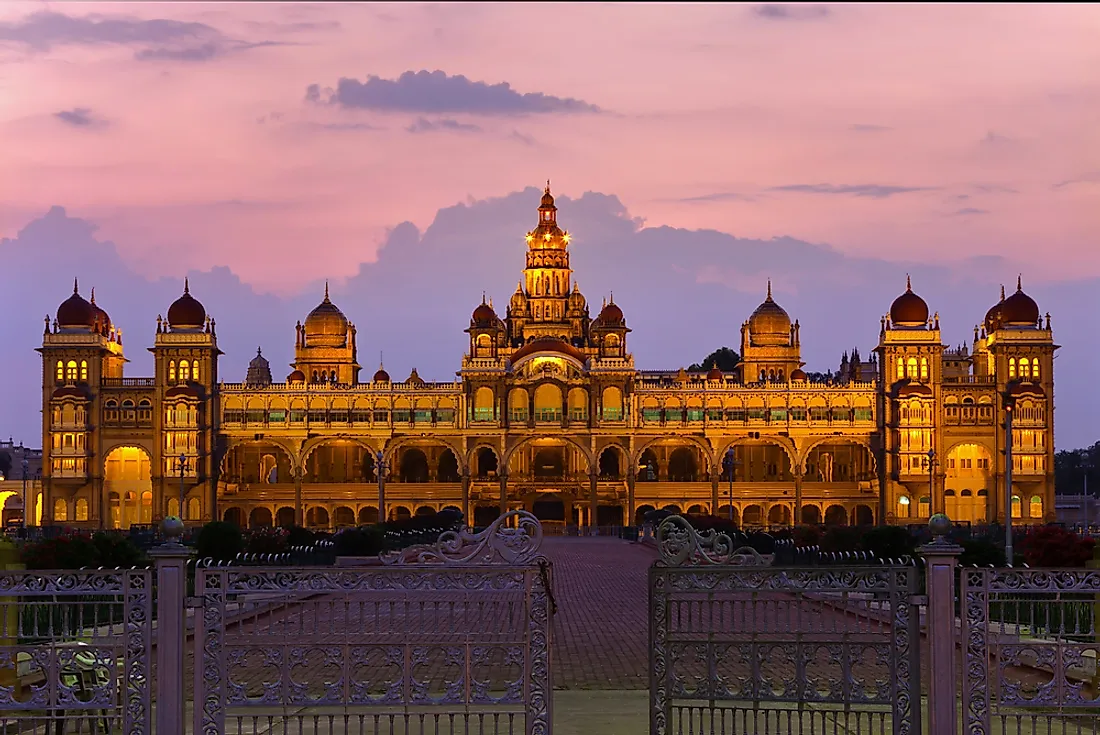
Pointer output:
x,y
448,638
1030,650
739,646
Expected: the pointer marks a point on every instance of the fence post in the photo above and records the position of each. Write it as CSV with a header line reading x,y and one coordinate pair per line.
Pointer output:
x,y
170,559
941,557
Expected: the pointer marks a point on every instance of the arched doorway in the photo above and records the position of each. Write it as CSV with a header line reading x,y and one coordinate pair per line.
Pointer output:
x,y
486,463
836,515
779,515
343,516
285,517
317,517
448,467
753,515
368,515
811,515
126,478
682,466
967,470
414,466
609,464
639,513
647,466
864,515
260,517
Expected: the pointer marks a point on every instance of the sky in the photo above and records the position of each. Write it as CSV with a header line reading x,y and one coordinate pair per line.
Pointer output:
x,y
398,150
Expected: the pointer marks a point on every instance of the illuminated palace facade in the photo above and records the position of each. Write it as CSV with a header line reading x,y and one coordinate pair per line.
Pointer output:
x,y
549,413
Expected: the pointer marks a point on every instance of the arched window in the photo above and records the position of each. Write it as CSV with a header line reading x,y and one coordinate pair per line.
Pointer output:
x,y
1036,506
81,509
60,371
1035,368
195,371
901,368
924,368
71,371
1011,367
185,371
911,368
172,371
84,371
1025,368
1016,506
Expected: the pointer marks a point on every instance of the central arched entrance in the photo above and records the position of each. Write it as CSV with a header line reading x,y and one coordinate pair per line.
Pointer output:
x,y
128,487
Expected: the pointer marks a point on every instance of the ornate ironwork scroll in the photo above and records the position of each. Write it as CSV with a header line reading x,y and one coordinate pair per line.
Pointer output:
x,y
679,543
500,543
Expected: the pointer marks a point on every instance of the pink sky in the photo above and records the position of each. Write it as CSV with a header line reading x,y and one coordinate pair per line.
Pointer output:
x,y
986,110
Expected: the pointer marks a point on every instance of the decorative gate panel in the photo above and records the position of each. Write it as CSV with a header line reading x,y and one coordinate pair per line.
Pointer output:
x,y
1030,651
75,650
452,638
742,647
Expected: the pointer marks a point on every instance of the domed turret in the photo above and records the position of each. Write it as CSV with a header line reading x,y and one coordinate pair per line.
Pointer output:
x,y
296,377
611,315
909,310
1019,309
770,324
993,316
577,301
326,325
547,235
381,376
484,315
186,312
99,316
75,312
714,374
259,370
798,375
414,379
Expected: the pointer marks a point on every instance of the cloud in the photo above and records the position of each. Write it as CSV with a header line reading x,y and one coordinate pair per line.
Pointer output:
x,y
994,138
522,138
773,11
437,93
708,282
994,189
424,125
875,191
868,128
80,117
719,196
968,211
1092,177
344,127
162,39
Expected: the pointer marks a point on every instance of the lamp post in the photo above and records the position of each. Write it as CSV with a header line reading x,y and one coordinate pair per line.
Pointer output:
x,y
1084,491
1009,406
26,468
731,460
380,474
182,463
931,461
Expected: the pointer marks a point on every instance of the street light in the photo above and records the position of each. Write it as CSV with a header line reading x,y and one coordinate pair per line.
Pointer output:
x,y
26,467
731,460
930,461
182,464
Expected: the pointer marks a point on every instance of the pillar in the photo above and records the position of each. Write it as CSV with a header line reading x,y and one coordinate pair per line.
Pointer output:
x,y
299,511
941,557
503,493
715,478
796,519
170,560
631,478
466,498
593,498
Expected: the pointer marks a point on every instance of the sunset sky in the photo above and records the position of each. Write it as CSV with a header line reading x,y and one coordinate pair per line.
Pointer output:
x,y
286,142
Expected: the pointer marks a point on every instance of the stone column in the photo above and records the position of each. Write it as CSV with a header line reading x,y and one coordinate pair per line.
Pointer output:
x,y
941,557
170,560
466,498
797,518
715,478
593,498
380,475
631,478
503,493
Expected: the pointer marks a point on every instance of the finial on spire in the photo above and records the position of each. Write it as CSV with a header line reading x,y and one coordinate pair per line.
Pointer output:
x,y
483,297
1019,282
548,186
93,294
908,283
258,352
380,359
326,289
1002,292
76,287
186,285
769,289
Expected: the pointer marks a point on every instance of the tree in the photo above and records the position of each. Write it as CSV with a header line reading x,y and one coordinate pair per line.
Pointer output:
x,y
1071,468
819,377
5,465
725,358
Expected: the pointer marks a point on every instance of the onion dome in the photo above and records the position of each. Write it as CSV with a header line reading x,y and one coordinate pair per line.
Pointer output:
x,y
296,377
798,375
75,312
483,315
1019,309
99,317
548,344
381,376
414,379
547,201
714,374
611,315
259,370
326,325
577,301
909,310
519,299
186,312
993,316
770,324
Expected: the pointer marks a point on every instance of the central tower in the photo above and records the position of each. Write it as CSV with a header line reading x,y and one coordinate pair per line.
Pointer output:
x,y
546,303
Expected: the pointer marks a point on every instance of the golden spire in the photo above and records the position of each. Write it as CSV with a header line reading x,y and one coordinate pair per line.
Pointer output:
x,y
93,294
1002,292
326,289
908,283
547,190
769,290
76,288
186,285
1019,282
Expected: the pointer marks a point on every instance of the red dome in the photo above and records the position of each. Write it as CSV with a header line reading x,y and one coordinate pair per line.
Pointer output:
x,y
99,316
611,315
296,377
548,344
1019,309
798,374
714,373
186,312
909,310
381,376
75,311
484,314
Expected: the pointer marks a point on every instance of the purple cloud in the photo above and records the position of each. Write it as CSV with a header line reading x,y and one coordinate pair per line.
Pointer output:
x,y
774,11
875,191
424,125
436,92
80,117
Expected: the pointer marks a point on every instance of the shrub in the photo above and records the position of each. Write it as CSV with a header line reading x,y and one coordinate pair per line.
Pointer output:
x,y
267,541
807,536
1054,546
77,550
981,552
888,542
362,541
842,538
220,541
298,536
116,550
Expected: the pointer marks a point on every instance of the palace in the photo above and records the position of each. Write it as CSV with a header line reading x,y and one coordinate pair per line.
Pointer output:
x,y
550,414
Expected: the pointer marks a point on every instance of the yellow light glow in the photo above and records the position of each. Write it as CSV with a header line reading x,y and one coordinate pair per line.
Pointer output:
x,y
530,237
567,237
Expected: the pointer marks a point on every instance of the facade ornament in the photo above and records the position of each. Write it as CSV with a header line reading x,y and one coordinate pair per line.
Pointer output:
x,y
498,544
